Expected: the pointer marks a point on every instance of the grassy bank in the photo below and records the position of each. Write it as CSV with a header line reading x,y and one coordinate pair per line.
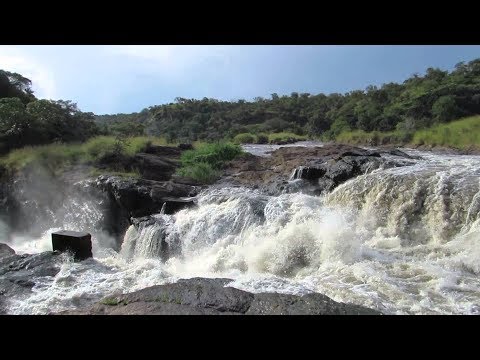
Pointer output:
x,y
360,137
204,162
461,134
58,156
274,138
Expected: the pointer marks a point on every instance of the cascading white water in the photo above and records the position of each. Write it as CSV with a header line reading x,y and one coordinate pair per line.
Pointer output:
x,y
76,211
402,240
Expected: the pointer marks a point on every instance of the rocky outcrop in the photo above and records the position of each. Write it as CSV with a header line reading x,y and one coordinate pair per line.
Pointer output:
x,y
140,197
18,273
320,168
153,167
6,250
201,296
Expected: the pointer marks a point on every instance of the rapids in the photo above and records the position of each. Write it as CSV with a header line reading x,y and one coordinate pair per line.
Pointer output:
x,y
403,240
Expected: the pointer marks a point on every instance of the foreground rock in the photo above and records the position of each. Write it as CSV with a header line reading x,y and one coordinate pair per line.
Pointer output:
x,y
18,272
200,296
320,169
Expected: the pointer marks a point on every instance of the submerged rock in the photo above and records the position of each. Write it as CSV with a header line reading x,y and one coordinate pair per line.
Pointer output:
x,y
202,296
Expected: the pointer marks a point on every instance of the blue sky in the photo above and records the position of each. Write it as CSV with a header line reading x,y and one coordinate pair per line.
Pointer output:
x,y
115,79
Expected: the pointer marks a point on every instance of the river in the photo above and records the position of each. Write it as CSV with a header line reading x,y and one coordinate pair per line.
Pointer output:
x,y
403,240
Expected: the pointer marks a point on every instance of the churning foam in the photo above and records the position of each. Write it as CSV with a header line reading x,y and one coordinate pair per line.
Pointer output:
x,y
402,240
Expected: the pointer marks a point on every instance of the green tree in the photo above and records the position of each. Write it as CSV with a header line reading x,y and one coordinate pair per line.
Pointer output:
x,y
445,109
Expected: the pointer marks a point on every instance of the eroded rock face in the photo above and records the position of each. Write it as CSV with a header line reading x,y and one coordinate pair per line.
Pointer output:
x,y
321,168
140,197
201,296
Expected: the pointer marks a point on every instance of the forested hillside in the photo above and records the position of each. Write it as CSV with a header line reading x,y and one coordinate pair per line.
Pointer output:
x,y
26,120
419,102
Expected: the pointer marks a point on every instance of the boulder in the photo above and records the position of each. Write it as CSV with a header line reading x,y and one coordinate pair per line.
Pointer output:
x,y
202,296
79,244
19,273
154,167
6,250
140,197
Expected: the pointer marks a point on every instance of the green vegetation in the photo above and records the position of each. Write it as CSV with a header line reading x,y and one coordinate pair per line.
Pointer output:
x,y
245,138
206,159
373,138
58,156
274,138
284,137
113,302
461,134
24,120
419,102
412,111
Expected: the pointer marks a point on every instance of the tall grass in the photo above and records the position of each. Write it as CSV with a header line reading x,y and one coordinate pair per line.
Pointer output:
x,y
58,156
249,138
461,134
285,136
204,161
360,137
245,138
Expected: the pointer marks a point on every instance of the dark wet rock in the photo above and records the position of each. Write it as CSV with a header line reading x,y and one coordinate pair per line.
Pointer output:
x,y
79,244
320,168
27,266
140,197
6,250
167,152
310,304
154,167
185,146
19,273
201,296
172,205
399,153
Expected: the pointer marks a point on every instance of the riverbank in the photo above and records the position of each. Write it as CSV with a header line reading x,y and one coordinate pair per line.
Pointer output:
x,y
460,137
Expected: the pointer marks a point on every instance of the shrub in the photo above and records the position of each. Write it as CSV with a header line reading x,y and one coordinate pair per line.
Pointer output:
x,y
202,163
262,139
244,138
201,172
215,154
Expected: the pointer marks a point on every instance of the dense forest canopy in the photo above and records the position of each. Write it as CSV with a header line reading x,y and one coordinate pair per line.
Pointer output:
x,y
420,101
26,120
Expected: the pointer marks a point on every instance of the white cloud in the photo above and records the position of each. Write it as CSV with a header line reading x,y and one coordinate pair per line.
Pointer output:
x,y
14,60
176,60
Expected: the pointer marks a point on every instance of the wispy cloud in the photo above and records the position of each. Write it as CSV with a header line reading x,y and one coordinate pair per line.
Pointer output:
x,y
176,61
14,60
